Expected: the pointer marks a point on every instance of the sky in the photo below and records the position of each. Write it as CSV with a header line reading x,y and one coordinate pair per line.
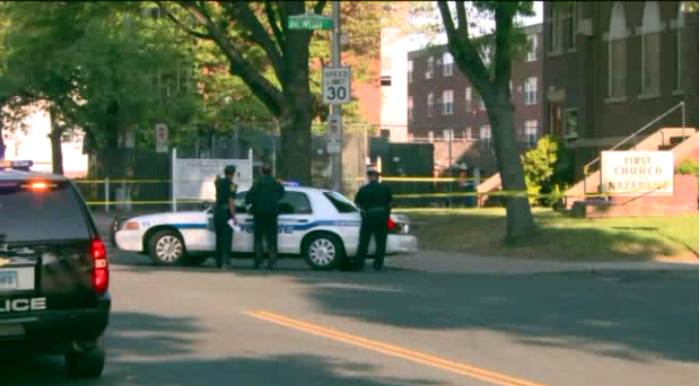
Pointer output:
x,y
418,43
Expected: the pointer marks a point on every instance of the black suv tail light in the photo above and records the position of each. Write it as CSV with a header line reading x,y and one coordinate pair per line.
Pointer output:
x,y
101,273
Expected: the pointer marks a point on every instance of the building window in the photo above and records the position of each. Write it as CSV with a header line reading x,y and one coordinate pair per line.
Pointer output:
x,y
468,99
679,47
447,102
617,52
480,101
410,71
447,64
571,123
410,109
468,134
532,48
531,133
431,66
555,28
651,48
485,137
569,23
531,91
431,101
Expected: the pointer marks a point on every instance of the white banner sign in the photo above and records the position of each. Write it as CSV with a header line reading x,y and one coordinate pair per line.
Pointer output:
x,y
637,172
193,179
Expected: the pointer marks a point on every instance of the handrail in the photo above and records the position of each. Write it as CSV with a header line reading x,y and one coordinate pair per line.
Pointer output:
x,y
660,117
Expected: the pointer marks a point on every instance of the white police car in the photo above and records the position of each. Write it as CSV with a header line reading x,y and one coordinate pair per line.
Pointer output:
x,y
321,225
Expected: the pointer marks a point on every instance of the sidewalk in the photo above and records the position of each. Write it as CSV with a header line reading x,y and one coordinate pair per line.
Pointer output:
x,y
446,263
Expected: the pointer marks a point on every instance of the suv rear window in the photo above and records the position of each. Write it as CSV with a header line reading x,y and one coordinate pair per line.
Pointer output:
x,y
342,204
43,215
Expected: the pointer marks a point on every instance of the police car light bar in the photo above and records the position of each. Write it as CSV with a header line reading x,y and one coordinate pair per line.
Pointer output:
x,y
290,183
19,165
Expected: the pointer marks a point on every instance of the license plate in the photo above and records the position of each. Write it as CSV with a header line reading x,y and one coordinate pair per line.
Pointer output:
x,y
8,280
11,330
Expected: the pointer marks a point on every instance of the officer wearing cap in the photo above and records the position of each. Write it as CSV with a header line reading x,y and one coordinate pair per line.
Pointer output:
x,y
225,210
374,200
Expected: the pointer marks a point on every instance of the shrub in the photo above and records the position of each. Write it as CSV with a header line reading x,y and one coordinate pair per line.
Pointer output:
x,y
688,167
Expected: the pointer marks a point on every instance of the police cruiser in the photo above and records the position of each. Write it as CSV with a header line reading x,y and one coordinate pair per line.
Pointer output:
x,y
54,272
320,225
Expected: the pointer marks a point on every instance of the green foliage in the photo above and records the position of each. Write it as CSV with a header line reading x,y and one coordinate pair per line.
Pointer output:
x,y
688,167
547,170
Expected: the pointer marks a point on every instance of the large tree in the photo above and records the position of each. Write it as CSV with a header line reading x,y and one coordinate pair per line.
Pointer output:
x,y
492,82
253,35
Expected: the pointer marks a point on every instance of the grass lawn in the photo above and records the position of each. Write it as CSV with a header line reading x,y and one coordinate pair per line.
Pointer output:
x,y
562,238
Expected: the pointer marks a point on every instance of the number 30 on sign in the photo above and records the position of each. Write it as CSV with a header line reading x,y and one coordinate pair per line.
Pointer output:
x,y
336,86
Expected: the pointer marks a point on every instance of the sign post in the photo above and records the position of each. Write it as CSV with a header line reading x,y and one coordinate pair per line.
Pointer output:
x,y
161,138
334,134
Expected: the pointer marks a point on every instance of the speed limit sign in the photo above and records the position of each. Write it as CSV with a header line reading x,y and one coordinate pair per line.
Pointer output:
x,y
336,86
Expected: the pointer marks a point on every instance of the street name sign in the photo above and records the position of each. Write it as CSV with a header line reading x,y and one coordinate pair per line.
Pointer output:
x,y
310,22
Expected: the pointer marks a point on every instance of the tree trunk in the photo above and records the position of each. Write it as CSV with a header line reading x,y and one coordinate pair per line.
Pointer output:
x,y
294,160
56,148
520,224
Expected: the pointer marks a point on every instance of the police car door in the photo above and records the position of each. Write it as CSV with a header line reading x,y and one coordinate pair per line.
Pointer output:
x,y
295,220
243,240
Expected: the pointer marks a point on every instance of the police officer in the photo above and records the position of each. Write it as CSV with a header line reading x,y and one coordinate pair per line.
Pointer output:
x,y
224,211
374,200
264,197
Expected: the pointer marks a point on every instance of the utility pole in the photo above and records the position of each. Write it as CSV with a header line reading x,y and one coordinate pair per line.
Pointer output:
x,y
336,110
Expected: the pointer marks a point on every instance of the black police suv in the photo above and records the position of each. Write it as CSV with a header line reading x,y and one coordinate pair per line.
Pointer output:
x,y
54,273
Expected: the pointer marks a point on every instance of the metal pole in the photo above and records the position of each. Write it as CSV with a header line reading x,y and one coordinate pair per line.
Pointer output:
x,y
451,173
336,168
683,118
107,195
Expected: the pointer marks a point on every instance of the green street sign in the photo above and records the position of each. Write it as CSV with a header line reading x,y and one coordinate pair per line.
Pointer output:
x,y
310,22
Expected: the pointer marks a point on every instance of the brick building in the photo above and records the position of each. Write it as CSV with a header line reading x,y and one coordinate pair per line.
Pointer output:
x,y
610,68
441,100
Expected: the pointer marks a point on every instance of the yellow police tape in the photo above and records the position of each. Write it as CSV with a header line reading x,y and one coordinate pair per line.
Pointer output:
x,y
384,179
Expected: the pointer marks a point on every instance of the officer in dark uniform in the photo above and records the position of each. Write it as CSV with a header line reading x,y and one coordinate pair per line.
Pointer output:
x,y
225,210
264,197
374,200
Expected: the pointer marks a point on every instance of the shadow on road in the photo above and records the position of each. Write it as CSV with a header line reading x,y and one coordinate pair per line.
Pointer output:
x,y
632,315
149,350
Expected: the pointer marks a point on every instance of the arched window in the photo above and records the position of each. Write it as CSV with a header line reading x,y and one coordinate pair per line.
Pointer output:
x,y
617,52
651,48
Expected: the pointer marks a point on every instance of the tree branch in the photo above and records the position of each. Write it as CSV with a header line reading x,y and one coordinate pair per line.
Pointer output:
x,y
275,28
318,8
463,23
182,25
464,52
258,35
261,87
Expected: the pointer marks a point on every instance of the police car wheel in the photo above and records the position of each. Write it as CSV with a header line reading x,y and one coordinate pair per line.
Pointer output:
x,y
323,252
88,363
166,248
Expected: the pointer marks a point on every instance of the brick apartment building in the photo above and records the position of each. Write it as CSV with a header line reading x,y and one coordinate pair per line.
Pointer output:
x,y
610,68
441,99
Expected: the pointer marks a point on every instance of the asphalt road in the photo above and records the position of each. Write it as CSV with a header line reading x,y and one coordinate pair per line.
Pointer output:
x,y
406,326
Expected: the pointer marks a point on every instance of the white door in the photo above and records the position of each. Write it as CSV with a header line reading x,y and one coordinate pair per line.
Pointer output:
x,y
295,220
243,241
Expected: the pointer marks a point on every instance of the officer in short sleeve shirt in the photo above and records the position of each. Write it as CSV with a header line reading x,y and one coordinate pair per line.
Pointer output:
x,y
225,210
374,200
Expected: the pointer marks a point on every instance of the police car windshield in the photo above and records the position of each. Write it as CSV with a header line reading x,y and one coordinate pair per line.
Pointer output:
x,y
47,215
341,203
